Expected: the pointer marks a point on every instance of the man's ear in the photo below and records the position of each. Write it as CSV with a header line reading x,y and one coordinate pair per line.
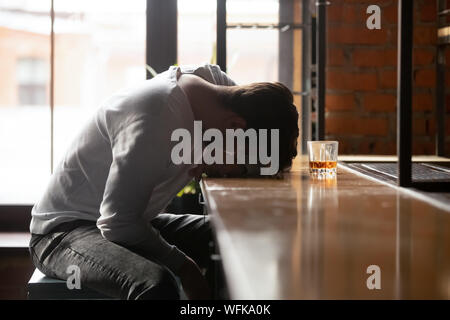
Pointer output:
x,y
236,122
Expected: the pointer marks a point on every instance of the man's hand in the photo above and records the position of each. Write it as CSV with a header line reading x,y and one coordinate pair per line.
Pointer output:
x,y
194,283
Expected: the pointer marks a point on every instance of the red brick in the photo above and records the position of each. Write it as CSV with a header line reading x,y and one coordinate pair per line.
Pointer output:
x,y
424,127
344,13
379,102
374,58
340,102
428,11
359,54
422,102
392,38
346,144
425,35
425,78
423,57
353,125
356,35
375,146
367,58
421,148
335,57
419,127
390,57
356,81
388,79
390,13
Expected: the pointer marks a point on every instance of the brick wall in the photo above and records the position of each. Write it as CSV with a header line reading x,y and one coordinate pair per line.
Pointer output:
x,y
362,78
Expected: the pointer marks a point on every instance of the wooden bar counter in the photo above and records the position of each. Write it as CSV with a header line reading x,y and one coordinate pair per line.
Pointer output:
x,y
299,238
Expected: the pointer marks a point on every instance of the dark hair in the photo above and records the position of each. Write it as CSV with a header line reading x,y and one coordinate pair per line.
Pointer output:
x,y
268,105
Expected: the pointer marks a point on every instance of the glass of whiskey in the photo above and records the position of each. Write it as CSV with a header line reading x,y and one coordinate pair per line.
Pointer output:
x,y
323,159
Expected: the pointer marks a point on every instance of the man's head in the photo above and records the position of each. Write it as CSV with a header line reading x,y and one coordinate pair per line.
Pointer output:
x,y
263,107
266,105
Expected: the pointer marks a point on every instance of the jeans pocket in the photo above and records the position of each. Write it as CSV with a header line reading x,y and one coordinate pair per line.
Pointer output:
x,y
42,249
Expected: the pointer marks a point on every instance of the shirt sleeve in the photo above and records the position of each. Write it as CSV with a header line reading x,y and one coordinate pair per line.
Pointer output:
x,y
134,172
224,79
213,73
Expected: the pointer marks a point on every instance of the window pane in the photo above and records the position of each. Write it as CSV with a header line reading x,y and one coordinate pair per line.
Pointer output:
x,y
252,11
196,31
99,49
24,92
31,70
252,54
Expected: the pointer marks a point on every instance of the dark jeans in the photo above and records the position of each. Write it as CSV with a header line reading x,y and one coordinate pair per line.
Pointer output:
x,y
114,270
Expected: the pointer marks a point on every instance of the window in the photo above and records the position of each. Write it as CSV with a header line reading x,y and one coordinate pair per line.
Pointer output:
x,y
32,75
196,31
252,53
264,39
24,91
99,48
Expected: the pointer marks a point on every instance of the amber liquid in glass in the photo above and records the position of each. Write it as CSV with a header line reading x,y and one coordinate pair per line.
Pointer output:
x,y
322,164
323,169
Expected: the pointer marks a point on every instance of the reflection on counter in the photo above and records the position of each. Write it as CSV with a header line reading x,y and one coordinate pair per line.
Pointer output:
x,y
300,238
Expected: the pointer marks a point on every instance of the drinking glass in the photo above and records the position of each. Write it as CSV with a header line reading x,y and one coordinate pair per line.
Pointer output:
x,y
323,158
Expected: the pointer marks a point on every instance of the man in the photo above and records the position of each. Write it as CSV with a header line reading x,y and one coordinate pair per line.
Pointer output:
x,y
101,211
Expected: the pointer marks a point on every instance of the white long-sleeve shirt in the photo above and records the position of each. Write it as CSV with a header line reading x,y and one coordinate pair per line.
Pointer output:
x,y
118,171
